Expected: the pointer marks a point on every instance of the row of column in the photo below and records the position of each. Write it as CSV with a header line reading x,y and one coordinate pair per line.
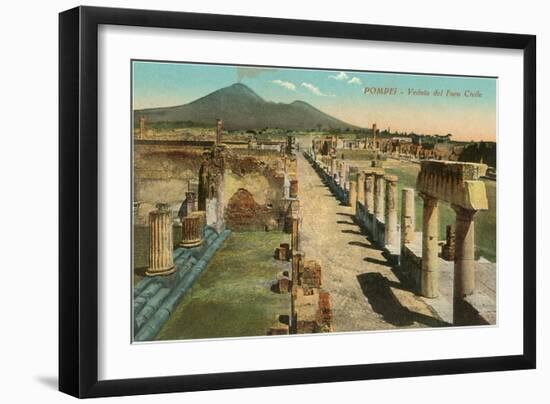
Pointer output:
x,y
161,244
377,192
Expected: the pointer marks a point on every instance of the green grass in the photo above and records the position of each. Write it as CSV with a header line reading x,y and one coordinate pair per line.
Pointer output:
x,y
233,297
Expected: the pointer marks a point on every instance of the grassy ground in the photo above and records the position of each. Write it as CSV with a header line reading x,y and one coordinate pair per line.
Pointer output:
x,y
233,298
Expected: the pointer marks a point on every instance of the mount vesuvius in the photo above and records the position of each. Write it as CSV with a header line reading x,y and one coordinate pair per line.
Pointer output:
x,y
242,109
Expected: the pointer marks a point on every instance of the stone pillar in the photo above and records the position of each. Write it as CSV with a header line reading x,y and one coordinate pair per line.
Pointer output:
x,y
391,210
464,269
295,233
464,273
332,165
361,187
429,282
369,192
192,229
374,136
161,245
408,214
352,196
343,173
219,130
379,197
293,191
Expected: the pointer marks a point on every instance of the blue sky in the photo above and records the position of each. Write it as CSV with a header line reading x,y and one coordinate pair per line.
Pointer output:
x,y
339,93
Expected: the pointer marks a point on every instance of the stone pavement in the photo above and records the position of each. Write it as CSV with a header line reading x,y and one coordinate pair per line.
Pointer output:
x,y
366,293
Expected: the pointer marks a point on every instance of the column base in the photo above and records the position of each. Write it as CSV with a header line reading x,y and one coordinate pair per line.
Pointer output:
x,y
161,272
190,243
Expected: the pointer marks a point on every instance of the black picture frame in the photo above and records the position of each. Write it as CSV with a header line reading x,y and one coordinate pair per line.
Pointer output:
x,y
78,200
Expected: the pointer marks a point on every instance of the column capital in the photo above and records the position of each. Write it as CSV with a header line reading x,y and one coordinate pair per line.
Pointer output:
x,y
428,199
391,178
464,214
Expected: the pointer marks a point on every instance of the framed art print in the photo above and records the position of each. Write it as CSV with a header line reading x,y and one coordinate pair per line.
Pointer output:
x,y
249,201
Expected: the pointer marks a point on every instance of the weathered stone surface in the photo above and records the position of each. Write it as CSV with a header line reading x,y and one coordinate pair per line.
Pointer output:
x,y
448,250
430,248
454,182
408,219
192,229
312,275
391,234
161,246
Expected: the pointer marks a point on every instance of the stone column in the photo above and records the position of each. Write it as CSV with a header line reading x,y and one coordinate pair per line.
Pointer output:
x,y
343,173
295,233
192,229
379,196
161,245
429,281
391,210
352,196
373,136
369,192
361,187
408,214
332,165
464,272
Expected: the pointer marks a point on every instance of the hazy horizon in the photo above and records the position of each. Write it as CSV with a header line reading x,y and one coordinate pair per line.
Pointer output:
x,y
337,93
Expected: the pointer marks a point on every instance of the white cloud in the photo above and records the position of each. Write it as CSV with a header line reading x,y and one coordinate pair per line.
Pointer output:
x,y
340,76
355,80
286,84
315,90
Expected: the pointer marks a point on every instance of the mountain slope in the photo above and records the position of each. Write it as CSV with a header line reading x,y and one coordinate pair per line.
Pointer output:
x,y
241,108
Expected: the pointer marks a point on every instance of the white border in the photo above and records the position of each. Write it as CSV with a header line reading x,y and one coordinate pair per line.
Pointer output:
x,y
120,359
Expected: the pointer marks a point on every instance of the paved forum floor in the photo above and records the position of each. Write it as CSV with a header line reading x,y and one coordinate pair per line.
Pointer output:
x,y
365,292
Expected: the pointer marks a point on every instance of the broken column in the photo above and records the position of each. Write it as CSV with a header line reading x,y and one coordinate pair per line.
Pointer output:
x,y
429,283
374,136
332,165
161,261
361,187
192,227
391,234
352,197
407,216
